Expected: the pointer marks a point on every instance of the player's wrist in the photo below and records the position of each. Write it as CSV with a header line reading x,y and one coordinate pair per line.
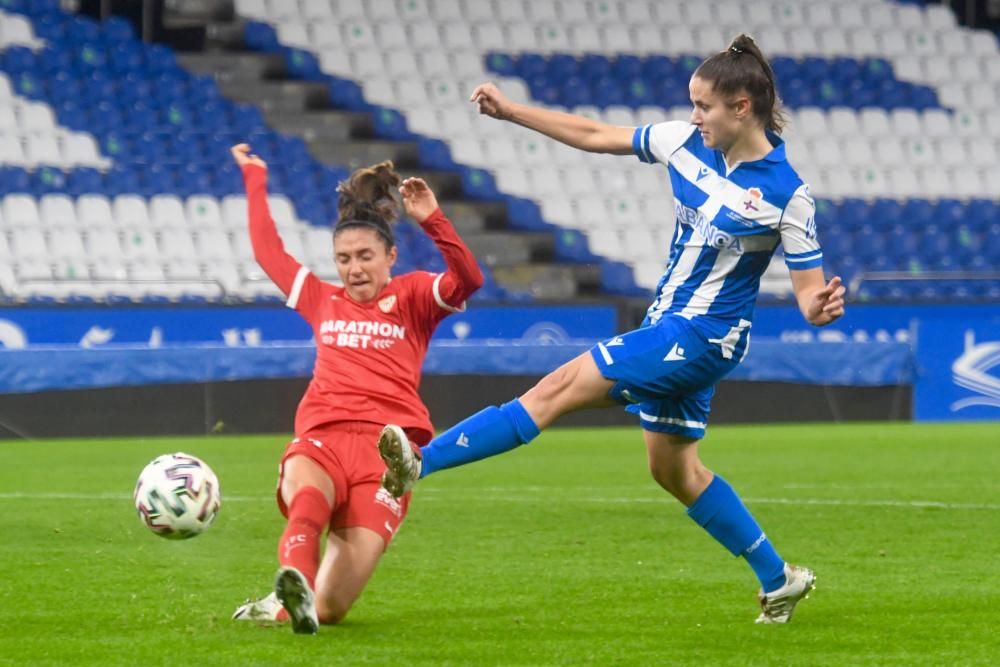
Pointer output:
x,y
434,216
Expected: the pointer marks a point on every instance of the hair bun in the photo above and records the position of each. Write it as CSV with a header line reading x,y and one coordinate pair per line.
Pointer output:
x,y
369,194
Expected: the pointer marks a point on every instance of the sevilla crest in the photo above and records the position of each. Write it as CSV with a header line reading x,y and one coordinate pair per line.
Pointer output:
x,y
386,304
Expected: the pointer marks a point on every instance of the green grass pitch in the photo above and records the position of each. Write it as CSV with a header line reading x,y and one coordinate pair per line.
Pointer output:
x,y
562,553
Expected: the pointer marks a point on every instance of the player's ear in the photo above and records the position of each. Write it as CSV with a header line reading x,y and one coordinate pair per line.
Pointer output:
x,y
742,107
393,254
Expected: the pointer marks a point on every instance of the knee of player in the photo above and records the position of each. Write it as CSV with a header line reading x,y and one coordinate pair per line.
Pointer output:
x,y
331,613
670,478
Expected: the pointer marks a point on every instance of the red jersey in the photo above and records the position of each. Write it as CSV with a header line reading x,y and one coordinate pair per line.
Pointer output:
x,y
368,355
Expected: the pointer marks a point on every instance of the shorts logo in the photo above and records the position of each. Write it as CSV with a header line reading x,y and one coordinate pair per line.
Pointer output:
x,y
627,395
676,353
463,440
383,497
617,340
386,304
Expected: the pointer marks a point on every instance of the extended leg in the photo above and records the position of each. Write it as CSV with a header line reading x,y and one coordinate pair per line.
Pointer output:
x,y
494,430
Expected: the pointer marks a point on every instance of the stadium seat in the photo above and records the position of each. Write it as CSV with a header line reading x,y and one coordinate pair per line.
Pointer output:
x,y
57,211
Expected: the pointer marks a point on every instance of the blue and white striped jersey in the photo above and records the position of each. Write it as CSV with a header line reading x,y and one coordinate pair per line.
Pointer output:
x,y
729,222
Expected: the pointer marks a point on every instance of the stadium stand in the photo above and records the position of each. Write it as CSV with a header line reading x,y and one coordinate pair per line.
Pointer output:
x,y
897,93
116,176
117,183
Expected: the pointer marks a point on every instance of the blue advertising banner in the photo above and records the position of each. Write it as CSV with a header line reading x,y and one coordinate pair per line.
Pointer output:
x,y
957,350
959,369
251,326
62,367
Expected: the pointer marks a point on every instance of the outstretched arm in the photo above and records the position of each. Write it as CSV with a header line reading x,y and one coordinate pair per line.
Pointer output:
x,y
576,131
268,249
820,302
463,276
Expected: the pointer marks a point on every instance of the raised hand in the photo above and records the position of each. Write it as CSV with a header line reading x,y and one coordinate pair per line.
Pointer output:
x,y
243,156
491,101
827,304
418,199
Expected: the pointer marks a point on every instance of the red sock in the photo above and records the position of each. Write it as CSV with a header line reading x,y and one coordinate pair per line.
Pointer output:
x,y
308,514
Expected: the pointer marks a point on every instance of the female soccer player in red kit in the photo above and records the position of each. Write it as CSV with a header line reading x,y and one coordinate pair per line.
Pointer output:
x,y
371,338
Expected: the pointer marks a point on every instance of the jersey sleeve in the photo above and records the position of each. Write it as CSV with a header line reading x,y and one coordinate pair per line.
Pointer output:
x,y
656,143
462,278
798,232
300,286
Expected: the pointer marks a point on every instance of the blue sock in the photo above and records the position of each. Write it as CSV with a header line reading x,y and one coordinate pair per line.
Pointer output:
x,y
721,512
487,433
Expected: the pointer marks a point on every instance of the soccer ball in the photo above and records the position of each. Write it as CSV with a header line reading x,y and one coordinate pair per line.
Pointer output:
x,y
177,496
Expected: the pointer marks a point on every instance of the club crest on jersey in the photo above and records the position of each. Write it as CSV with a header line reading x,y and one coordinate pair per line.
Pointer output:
x,y
753,199
386,304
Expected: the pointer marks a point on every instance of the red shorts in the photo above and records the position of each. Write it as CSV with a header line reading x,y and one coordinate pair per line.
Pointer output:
x,y
348,452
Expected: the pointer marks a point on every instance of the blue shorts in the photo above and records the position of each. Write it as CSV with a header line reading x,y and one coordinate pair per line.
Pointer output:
x,y
666,373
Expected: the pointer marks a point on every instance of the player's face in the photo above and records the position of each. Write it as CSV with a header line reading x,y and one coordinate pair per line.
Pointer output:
x,y
720,120
363,262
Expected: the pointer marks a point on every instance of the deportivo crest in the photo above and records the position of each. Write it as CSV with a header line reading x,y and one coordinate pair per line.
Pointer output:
x,y
752,202
386,304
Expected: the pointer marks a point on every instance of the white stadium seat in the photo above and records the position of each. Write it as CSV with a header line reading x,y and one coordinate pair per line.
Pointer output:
x,y
478,10
874,122
203,211
952,153
967,182
542,10
57,210
282,10
12,151
167,211
139,243
28,243
20,210
295,34
176,243
130,211
43,149
36,118
512,11
313,10
214,244
253,9
15,30
66,243
103,243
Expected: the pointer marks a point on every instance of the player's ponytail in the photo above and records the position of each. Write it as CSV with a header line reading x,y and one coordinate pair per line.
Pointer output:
x,y
742,67
367,199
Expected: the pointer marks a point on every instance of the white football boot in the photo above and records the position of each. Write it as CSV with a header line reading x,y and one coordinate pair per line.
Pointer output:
x,y
777,606
296,596
402,462
265,609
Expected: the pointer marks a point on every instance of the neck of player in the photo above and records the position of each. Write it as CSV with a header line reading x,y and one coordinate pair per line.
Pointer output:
x,y
748,148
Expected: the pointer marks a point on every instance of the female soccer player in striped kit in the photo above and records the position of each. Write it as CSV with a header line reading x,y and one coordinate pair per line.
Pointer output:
x,y
371,338
736,197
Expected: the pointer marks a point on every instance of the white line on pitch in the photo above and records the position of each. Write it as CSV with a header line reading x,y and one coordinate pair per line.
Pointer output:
x,y
470,494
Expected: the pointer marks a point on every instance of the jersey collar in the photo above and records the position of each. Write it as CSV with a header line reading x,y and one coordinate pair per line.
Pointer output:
x,y
777,153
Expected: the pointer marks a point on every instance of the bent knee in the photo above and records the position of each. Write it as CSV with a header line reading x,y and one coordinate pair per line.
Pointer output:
x,y
331,614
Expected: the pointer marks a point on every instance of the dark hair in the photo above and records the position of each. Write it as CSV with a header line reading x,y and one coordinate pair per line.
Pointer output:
x,y
367,199
742,67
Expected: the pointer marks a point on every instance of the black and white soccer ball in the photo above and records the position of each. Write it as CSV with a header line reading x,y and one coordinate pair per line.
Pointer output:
x,y
177,496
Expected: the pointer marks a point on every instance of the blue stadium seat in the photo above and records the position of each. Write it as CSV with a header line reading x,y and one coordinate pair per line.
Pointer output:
x,y
478,184
524,214
617,278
